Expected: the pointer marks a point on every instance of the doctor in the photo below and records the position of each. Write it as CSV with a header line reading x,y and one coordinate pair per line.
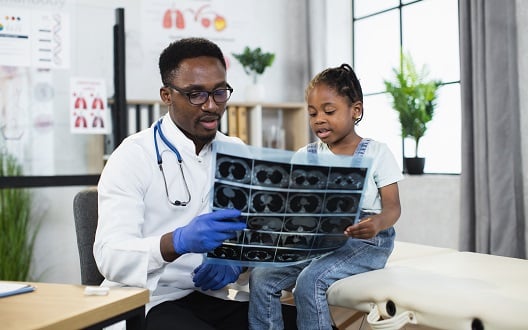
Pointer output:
x,y
155,220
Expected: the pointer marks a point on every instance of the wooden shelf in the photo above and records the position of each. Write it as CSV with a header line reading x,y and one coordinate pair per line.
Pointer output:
x,y
292,117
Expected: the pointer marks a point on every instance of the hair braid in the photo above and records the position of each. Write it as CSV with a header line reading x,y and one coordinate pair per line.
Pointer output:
x,y
342,79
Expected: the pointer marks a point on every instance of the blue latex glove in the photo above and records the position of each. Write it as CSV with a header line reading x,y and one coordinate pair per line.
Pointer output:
x,y
207,231
215,277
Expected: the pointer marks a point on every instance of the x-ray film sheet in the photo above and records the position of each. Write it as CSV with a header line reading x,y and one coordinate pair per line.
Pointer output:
x,y
296,206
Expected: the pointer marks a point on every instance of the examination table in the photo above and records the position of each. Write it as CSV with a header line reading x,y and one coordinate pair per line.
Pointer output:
x,y
439,288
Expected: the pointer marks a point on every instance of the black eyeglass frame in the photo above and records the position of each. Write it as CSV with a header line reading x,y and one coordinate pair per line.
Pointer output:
x,y
209,93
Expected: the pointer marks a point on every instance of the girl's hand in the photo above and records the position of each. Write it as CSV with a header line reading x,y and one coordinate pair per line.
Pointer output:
x,y
365,228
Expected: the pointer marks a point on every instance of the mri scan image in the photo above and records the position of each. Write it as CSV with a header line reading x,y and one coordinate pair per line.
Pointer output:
x,y
266,201
309,177
265,223
258,254
231,252
335,225
233,169
346,178
293,212
297,241
305,202
270,174
228,197
301,224
261,238
343,203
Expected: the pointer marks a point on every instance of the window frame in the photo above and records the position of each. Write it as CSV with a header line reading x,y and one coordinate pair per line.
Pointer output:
x,y
399,8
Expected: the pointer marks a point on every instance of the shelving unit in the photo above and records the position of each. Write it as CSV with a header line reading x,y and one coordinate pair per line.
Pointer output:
x,y
252,127
292,117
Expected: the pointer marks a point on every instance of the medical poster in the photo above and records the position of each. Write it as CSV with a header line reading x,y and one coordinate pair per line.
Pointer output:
x,y
89,112
15,29
295,208
50,40
34,38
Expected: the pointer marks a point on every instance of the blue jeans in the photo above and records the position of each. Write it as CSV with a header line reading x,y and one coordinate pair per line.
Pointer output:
x,y
311,281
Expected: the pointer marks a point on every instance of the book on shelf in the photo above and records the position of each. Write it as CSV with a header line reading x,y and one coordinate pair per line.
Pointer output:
x,y
223,123
242,124
232,119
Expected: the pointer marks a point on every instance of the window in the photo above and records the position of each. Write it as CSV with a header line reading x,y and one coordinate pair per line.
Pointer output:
x,y
428,30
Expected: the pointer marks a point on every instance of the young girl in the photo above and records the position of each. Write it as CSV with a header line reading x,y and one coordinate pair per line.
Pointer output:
x,y
335,106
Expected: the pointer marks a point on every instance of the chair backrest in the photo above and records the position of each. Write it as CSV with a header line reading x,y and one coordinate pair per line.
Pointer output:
x,y
85,216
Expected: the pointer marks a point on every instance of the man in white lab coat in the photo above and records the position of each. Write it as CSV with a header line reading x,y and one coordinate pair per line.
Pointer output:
x,y
155,220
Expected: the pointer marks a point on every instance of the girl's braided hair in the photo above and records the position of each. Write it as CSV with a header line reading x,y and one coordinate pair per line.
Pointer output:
x,y
343,80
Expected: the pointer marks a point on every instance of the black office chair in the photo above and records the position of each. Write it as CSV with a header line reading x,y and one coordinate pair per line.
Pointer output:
x,y
85,216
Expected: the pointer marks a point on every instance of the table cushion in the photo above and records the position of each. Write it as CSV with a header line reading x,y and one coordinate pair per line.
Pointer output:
x,y
443,289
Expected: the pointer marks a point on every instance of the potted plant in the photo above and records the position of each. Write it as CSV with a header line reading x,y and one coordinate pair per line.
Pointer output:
x,y
18,237
254,62
414,97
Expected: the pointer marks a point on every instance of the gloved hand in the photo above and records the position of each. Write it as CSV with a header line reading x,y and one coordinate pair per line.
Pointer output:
x,y
215,277
207,231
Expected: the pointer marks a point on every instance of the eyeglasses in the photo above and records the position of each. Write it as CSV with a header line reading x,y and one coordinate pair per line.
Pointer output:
x,y
220,95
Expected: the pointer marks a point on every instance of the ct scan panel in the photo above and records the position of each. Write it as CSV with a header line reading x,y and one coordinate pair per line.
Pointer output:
x,y
228,196
267,201
309,177
293,212
346,178
271,174
233,169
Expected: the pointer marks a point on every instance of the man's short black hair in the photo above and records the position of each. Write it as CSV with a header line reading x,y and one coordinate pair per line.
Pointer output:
x,y
185,48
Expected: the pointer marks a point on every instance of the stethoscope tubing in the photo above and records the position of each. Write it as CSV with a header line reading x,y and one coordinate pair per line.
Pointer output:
x,y
157,129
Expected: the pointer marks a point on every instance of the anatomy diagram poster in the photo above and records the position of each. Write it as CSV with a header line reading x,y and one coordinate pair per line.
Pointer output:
x,y
295,208
89,112
221,21
34,38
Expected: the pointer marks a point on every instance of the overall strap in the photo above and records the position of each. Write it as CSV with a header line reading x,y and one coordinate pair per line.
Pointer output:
x,y
361,148
360,152
311,148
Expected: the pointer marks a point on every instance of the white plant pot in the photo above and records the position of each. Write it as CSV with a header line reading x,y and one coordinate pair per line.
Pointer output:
x,y
255,93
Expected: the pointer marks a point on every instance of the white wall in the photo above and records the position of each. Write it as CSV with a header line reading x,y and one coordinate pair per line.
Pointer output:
x,y
430,210
330,28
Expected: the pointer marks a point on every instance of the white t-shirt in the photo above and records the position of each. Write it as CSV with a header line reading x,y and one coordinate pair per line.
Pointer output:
x,y
384,171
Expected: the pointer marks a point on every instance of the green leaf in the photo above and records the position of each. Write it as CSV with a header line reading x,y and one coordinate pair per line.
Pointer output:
x,y
18,235
254,61
413,96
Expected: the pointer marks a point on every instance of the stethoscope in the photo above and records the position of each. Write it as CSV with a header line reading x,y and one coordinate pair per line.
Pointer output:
x,y
157,128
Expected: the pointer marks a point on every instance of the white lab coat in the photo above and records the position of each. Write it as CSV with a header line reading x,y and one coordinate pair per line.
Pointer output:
x,y
134,213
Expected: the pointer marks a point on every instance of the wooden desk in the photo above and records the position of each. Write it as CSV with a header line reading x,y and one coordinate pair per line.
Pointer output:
x,y
64,306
